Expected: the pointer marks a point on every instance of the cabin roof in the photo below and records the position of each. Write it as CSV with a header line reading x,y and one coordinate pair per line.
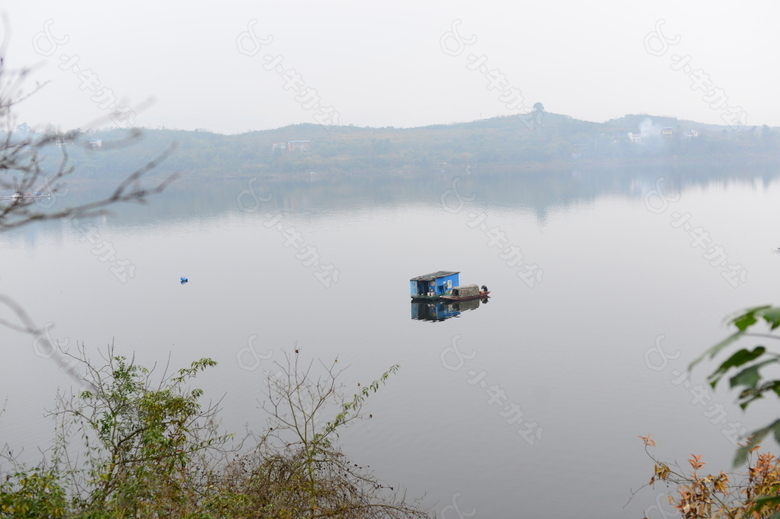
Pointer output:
x,y
434,275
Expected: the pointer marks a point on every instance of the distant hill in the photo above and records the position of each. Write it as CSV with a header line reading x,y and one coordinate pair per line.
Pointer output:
x,y
497,143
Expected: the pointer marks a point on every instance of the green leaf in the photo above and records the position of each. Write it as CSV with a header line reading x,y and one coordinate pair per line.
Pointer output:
x,y
749,317
749,395
755,439
715,349
743,322
772,316
764,502
750,377
739,358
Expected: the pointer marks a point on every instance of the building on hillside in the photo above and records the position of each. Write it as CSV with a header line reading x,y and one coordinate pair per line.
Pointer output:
x,y
635,137
96,143
298,145
691,134
667,131
278,146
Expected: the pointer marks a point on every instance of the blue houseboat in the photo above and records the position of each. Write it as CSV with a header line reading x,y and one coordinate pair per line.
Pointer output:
x,y
434,285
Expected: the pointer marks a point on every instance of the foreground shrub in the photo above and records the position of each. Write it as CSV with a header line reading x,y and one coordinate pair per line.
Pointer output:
x,y
152,450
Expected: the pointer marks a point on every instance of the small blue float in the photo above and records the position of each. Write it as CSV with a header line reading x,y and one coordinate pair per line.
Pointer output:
x,y
184,280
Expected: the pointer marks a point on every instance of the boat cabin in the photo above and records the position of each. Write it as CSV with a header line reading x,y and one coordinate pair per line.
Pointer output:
x,y
433,285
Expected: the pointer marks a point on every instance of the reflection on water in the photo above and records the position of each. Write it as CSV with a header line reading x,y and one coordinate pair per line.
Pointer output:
x,y
442,310
198,199
572,352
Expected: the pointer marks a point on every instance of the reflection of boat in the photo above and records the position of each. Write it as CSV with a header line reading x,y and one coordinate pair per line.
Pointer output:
x,y
464,306
442,310
466,293
433,286
432,311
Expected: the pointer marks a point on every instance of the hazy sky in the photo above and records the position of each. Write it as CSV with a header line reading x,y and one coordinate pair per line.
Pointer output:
x,y
371,64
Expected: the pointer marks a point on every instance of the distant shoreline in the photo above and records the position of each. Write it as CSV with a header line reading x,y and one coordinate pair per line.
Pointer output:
x,y
415,173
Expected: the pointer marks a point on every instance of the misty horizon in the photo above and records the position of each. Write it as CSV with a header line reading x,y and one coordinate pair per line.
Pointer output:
x,y
249,68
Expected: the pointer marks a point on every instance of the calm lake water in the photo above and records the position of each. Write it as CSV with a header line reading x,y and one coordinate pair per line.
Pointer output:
x,y
527,406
